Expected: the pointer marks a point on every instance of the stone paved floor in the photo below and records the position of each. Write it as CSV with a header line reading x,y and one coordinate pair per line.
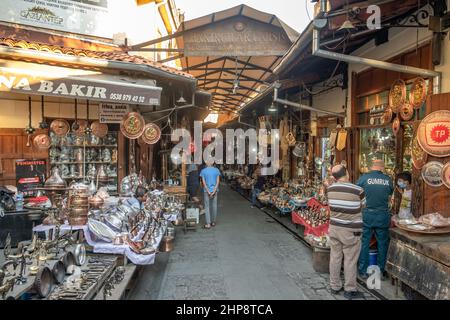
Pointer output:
x,y
246,256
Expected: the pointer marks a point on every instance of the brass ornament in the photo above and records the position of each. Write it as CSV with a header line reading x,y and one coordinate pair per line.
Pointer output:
x,y
132,125
418,93
152,133
397,95
99,129
60,127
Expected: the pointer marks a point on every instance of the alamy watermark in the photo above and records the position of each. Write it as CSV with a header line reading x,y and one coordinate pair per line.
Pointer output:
x,y
190,150
374,279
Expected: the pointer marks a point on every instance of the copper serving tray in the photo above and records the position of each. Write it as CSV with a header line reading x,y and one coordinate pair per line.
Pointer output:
x,y
418,93
446,175
432,173
42,141
132,125
434,230
83,124
397,95
60,127
151,134
433,133
99,129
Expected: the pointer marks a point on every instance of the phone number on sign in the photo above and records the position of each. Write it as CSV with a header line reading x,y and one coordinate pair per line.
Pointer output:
x,y
127,97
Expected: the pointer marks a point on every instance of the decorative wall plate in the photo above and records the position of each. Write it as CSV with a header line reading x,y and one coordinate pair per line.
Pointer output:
x,y
397,95
132,125
42,141
99,129
60,127
396,125
333,136
406,112
152,133
387,115
418,155
433,133
432,173
82,125
446,175
418,93
341,139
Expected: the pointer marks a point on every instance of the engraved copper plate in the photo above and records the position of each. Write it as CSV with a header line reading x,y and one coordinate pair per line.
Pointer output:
x,y
432,173
397,95
396,125
387,115
407,112
433,133
132,125
83,124
99,129
446,175
60,127
152,133
42,141
418,155
418,93
341,139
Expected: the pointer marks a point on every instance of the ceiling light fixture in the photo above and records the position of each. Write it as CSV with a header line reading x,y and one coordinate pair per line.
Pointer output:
x,y
272,108
181,99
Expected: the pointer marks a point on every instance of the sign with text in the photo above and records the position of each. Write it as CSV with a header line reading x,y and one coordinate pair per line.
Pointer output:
x,y
89,17
112,113
91,88
30,174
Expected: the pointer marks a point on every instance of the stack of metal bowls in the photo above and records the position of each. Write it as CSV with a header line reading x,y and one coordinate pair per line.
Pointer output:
x,y
79,209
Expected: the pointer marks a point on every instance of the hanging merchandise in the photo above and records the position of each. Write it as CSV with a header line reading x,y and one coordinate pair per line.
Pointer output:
x,y
99,129
407,112
341,139
299,150
60,127
418,93
43,124
387,115
291,139
432,173
82,126
446,175
152,133
29,130
396,125
333,136
397,95
433,133
87,129
132,125
418,155
41,141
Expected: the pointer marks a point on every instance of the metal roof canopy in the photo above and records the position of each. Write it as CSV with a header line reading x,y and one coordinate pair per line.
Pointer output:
x,y
238,46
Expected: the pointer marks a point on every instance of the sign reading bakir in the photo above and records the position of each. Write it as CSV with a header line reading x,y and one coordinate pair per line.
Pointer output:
x,y
75,16
73,87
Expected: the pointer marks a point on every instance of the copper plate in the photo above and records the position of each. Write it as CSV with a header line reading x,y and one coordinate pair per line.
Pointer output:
x,y
418,93
432,173
407,112
42,141
132,125
99,129
446,175
419,157
83,124
152,133
341,139
387,115
397,95
396,125
60,127
433,133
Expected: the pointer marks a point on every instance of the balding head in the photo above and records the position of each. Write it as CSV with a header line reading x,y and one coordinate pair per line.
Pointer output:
x,y
339,172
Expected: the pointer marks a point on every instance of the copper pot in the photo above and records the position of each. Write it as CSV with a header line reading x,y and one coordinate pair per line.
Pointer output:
x,y
76,212
166,244
79,201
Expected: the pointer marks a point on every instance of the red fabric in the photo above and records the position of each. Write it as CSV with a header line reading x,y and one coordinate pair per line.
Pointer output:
x,y
317,231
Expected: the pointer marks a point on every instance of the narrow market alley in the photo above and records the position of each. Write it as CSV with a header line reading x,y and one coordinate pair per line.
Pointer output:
x,y
248,255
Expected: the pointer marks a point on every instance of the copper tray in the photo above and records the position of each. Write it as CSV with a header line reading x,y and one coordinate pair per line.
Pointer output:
x,y
396,125
99,129
82,125
387,115
435,230
132,125
418,93
397,95
151,134
433,133
446,175
60,127
418,155
432,173
42,141
407,112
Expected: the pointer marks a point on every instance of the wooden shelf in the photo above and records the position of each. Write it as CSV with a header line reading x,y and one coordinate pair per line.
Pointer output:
x,y
86,162
87,146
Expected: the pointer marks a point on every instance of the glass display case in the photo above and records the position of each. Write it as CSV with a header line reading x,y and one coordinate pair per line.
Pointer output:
x,y
376,143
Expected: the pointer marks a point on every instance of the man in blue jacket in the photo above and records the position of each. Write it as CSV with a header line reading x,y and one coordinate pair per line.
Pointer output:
x,y
378,188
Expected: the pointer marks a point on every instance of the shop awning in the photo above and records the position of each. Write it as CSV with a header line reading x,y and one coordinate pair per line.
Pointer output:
x,y
34,79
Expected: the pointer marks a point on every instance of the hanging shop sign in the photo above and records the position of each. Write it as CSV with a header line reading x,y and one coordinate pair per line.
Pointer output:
x,y
112,113
30,174
89,17
432,173
434,133
95,87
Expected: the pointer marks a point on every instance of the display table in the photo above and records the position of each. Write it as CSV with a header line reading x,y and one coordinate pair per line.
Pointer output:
x,y
422,262
19,225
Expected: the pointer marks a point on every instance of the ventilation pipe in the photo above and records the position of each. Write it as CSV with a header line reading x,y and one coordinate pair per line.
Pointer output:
x,y
316,51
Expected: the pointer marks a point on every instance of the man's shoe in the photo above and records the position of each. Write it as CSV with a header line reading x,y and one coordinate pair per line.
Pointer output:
x,y
350,295
336,292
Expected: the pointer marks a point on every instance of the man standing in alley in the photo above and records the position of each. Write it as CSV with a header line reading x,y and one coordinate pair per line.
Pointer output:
x,y
346,201
376,216
210,181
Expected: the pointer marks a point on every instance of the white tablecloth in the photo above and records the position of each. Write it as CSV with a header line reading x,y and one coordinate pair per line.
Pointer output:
x,y
106,247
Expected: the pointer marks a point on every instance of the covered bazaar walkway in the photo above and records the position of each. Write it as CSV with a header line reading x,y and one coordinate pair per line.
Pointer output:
x,y
246,256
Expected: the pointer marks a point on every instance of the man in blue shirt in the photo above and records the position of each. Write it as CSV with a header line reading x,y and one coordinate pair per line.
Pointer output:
x,y
210,181
378,188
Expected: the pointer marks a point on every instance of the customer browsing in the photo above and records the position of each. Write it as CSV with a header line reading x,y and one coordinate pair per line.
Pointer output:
x,y
210,181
